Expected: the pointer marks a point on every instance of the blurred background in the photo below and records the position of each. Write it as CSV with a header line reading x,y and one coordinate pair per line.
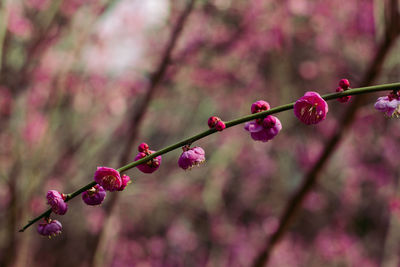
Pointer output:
x,y
84,82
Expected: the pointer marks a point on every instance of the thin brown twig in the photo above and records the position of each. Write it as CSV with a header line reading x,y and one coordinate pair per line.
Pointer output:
x,y
135,122
295,203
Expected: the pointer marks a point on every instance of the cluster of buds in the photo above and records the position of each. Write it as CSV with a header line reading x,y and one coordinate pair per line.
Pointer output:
x,y
263,129
344,85
150,166
217,123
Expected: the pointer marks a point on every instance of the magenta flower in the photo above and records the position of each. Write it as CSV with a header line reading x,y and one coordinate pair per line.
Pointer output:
x,y
264,131
389,105
151,165
56,200
50,228
94,196
108,178
311,108
125,181
191,157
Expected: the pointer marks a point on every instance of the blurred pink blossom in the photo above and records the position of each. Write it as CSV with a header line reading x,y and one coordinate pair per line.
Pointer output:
x,y
18,24
35,128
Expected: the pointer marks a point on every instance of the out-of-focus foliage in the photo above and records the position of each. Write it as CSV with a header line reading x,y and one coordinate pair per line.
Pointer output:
x,y
71,71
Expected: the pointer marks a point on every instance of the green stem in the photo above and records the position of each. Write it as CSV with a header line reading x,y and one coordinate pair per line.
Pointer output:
x,y
190,140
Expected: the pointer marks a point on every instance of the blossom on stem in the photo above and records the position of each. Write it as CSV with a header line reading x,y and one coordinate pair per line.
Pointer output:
x,y
311,108
50,228
56,200
94,196
191,157
108,178
390,105
264,130
150,166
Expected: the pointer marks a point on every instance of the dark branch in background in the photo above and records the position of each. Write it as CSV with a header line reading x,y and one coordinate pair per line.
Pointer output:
x,y
295,203
135,121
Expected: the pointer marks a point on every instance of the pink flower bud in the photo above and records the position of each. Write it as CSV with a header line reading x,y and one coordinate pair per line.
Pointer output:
x,y
344,83
56,201
50,228
108,178
143,147
125,181
259,106
212,121
311,108
94,196
151,165
191,157
220,126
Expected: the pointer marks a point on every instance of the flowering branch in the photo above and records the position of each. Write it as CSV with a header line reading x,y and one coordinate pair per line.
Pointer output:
x,y
190,140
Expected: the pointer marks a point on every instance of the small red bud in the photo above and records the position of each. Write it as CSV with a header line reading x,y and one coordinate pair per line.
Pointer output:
x,y
143,147
212,121
259,106
344,83
220,126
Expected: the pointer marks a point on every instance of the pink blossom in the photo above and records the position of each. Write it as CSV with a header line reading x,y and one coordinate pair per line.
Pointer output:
x,y
50,228
18,24
151,165
35,128
108,178
264,131
390,106
311,108
191,157
56,200
94,196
